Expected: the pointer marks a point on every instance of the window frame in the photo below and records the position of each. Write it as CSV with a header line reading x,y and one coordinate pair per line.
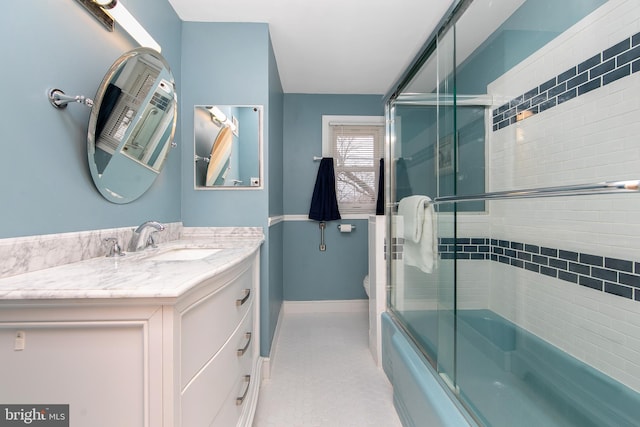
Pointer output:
x,y
327,150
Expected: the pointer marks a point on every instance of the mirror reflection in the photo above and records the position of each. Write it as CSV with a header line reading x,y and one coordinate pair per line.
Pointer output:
x,y
227,142
132,125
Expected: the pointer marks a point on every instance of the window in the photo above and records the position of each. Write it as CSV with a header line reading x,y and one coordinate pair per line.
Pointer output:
x,y
356,145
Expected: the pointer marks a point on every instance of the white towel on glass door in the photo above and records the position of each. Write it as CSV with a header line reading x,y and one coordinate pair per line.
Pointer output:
x,y
421,242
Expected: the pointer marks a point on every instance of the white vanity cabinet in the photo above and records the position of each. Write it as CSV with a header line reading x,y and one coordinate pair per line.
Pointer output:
x,y
104,362
190,360
218,349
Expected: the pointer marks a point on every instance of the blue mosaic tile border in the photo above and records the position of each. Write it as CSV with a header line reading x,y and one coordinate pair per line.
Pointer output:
x,y
611,275
616,62
397,248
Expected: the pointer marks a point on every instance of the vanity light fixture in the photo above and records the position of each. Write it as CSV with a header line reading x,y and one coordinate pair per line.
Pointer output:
x,y
220,118
106,11
217,114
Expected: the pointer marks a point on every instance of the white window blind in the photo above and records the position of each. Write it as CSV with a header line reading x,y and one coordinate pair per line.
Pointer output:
x,y
356,150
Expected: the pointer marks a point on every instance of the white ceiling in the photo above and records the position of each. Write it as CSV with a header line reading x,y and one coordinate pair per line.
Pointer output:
x,y
332,46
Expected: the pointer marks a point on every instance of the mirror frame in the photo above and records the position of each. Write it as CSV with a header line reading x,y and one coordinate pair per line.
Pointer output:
x,y
260,110
116,188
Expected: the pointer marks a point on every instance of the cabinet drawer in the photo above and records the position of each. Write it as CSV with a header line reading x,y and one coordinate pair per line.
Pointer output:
x,y
205,395
241,394
231,410
209,323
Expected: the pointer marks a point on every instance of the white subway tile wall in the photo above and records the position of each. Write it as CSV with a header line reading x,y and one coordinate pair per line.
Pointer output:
x,y
590,137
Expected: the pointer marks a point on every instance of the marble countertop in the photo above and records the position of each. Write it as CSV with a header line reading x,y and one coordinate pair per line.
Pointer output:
x,y
134,275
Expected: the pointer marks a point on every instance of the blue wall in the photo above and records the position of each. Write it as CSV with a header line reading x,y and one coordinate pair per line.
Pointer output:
x,y
335,274
309,274
272,289
46,185
303,139
276,146
226,64
272,292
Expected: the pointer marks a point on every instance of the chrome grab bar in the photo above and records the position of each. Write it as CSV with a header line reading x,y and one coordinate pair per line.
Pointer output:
x,y
322,226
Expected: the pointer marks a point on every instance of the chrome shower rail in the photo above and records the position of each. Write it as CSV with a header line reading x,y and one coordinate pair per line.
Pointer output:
x,y
608,187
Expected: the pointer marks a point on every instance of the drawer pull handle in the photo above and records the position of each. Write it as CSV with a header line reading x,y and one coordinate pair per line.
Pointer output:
x,y
242,351
240,400
240,302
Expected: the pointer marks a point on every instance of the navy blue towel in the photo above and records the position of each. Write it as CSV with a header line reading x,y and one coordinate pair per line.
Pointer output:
x,y
109,100
380,201
324,203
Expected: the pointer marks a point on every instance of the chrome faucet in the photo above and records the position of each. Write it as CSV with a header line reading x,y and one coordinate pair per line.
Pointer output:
x,y
113,246
141,240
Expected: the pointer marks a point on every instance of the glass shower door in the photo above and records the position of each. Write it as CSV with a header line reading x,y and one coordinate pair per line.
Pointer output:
x,y
424,163
445,171
490,303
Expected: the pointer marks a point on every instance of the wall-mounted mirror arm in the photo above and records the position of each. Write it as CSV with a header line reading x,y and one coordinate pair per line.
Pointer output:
x,y
203,159
59,99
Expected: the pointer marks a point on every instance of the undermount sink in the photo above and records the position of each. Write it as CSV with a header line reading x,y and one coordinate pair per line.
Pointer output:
x,y
184,254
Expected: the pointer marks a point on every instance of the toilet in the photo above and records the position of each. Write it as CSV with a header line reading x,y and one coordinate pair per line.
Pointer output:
x,y
365,284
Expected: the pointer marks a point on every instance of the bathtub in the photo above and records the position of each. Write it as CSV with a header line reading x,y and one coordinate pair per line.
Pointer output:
x,y
507,376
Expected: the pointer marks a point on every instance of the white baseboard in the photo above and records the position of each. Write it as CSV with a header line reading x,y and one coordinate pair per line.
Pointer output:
x,y
267,362
266,368
335,306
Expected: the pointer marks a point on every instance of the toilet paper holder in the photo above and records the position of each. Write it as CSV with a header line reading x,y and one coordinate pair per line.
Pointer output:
x,y
347,228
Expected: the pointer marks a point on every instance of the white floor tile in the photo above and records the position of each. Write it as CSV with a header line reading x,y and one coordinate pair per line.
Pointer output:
x,y
324,375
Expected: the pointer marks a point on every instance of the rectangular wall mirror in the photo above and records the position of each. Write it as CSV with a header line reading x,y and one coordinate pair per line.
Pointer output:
x,y
228,146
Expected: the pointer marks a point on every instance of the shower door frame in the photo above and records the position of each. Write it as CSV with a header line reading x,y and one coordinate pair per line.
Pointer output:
x,y
454,101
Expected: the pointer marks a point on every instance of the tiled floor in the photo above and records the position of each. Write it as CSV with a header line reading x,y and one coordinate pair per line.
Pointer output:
x,y
324,375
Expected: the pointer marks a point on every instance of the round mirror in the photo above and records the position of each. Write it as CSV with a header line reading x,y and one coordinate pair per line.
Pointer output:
x,y
132,124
